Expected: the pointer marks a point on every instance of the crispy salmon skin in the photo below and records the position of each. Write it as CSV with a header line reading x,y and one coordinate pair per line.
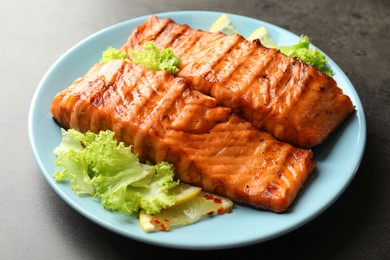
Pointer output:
x,y
293,101
165,120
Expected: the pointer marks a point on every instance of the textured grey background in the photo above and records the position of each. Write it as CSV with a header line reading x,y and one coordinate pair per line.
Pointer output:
x,y
35,223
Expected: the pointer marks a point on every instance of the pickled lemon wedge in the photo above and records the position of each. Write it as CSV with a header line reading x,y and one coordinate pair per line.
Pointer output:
x,y
225,25
202,206
185,192
262,34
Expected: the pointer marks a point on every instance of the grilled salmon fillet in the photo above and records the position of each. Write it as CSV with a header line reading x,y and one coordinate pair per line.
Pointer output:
x,y
165,120
284,96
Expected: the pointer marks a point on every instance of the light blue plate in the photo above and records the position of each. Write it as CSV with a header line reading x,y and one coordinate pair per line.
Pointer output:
x,y
337,160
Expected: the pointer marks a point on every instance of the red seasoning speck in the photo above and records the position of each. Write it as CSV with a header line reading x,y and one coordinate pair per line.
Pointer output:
x,y
208,196
217,200
220,210
155,221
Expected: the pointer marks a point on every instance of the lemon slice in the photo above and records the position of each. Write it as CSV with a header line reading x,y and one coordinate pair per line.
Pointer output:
x,y
224,24
202,206
262,34
185,192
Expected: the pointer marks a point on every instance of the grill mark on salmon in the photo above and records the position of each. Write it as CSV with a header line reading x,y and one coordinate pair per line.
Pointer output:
x,y
293,101
165,120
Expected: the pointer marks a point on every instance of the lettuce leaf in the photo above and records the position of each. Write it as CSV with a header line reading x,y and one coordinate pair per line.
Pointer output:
x,y
150,56
309,55
156,59
98,165
112,53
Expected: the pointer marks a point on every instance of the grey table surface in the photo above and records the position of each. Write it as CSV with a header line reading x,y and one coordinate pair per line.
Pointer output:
x,y
35,223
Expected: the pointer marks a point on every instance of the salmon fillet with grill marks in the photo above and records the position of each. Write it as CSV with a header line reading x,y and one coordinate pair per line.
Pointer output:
x,y
164,120
293,101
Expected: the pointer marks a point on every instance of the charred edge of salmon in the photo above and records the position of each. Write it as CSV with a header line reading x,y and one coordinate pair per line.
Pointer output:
x,y
58,123
299,104
208,145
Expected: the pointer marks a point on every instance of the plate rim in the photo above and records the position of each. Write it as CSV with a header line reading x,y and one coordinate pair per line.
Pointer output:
x,y
31,131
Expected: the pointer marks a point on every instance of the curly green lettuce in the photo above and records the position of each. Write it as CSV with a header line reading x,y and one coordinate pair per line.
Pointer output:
x,y
112,53
150,56
156,59
99,166
309,55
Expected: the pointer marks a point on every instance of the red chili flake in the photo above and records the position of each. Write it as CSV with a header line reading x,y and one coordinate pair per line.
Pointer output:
x,y
155,221
210,213
229,211
217,200
163,227
220,210
208,196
